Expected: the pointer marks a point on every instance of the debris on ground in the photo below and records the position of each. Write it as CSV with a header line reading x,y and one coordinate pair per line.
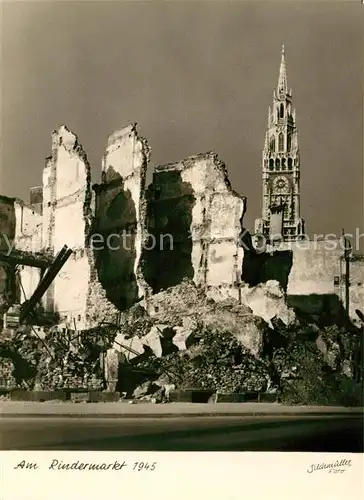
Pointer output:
x,y
182,339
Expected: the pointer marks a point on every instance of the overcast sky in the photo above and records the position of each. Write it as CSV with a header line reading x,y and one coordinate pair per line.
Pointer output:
x,y
196,76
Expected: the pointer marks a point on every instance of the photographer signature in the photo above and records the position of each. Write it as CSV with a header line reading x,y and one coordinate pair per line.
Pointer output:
x,y
337,467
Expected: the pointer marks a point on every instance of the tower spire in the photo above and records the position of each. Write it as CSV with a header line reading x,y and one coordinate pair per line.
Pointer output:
x,y
282,87
281,169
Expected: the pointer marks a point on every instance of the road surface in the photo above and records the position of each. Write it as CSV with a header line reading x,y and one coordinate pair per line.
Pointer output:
x,y
310,433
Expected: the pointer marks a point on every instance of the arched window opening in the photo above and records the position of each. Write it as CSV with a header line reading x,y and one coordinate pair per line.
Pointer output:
x,y
271,164
289,141
277,163
273,144
280,142
283,164
281,111
289,163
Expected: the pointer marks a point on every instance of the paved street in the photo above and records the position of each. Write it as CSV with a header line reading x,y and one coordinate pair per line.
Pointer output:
x,y
330,433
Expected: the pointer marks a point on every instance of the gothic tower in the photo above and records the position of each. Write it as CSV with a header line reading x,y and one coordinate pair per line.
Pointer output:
x,y
281,168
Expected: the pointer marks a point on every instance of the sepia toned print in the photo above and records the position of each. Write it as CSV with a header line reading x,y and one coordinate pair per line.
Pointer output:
x,y
181,234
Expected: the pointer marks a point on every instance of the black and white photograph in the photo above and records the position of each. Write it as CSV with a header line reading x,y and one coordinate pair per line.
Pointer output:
x,y
181,229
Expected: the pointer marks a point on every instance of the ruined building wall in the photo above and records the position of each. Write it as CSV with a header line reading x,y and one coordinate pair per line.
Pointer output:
x,y
314,268
7,224
193,206
66,187
316,278
356,286
28,238
190,201
49,182
20,230
187,225
120,217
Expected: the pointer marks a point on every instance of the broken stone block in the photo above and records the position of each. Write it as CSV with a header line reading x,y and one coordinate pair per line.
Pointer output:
x,y
330,351
159,339
168,388
249,330
179,340
268,301
162,380
347,368
251,333
145,389
153,340
123,344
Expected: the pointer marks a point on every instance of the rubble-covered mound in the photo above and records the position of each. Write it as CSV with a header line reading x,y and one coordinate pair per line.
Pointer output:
x,y
180,338
185,305
319,366
19,360
60,360
216,361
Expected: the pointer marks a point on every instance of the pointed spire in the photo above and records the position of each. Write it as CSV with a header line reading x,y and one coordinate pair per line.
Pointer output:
x,y
282,80
269,117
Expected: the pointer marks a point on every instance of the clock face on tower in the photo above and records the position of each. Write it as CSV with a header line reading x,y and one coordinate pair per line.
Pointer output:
x,y
281,184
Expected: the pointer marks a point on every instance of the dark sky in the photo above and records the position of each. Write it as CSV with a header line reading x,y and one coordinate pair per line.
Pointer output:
x,y
196,76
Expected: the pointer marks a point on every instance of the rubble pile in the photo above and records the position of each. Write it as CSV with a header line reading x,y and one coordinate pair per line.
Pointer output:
x,y
60,360
7,380
310,370
181,339
185,305
225,347
215,361
22,354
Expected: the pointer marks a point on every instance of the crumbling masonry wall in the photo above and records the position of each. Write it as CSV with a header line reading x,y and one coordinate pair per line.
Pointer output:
x,y
187,225
119,229
313,275
20,230
356,285
28,238
316,282
67,220
7,281
192,206
65,191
